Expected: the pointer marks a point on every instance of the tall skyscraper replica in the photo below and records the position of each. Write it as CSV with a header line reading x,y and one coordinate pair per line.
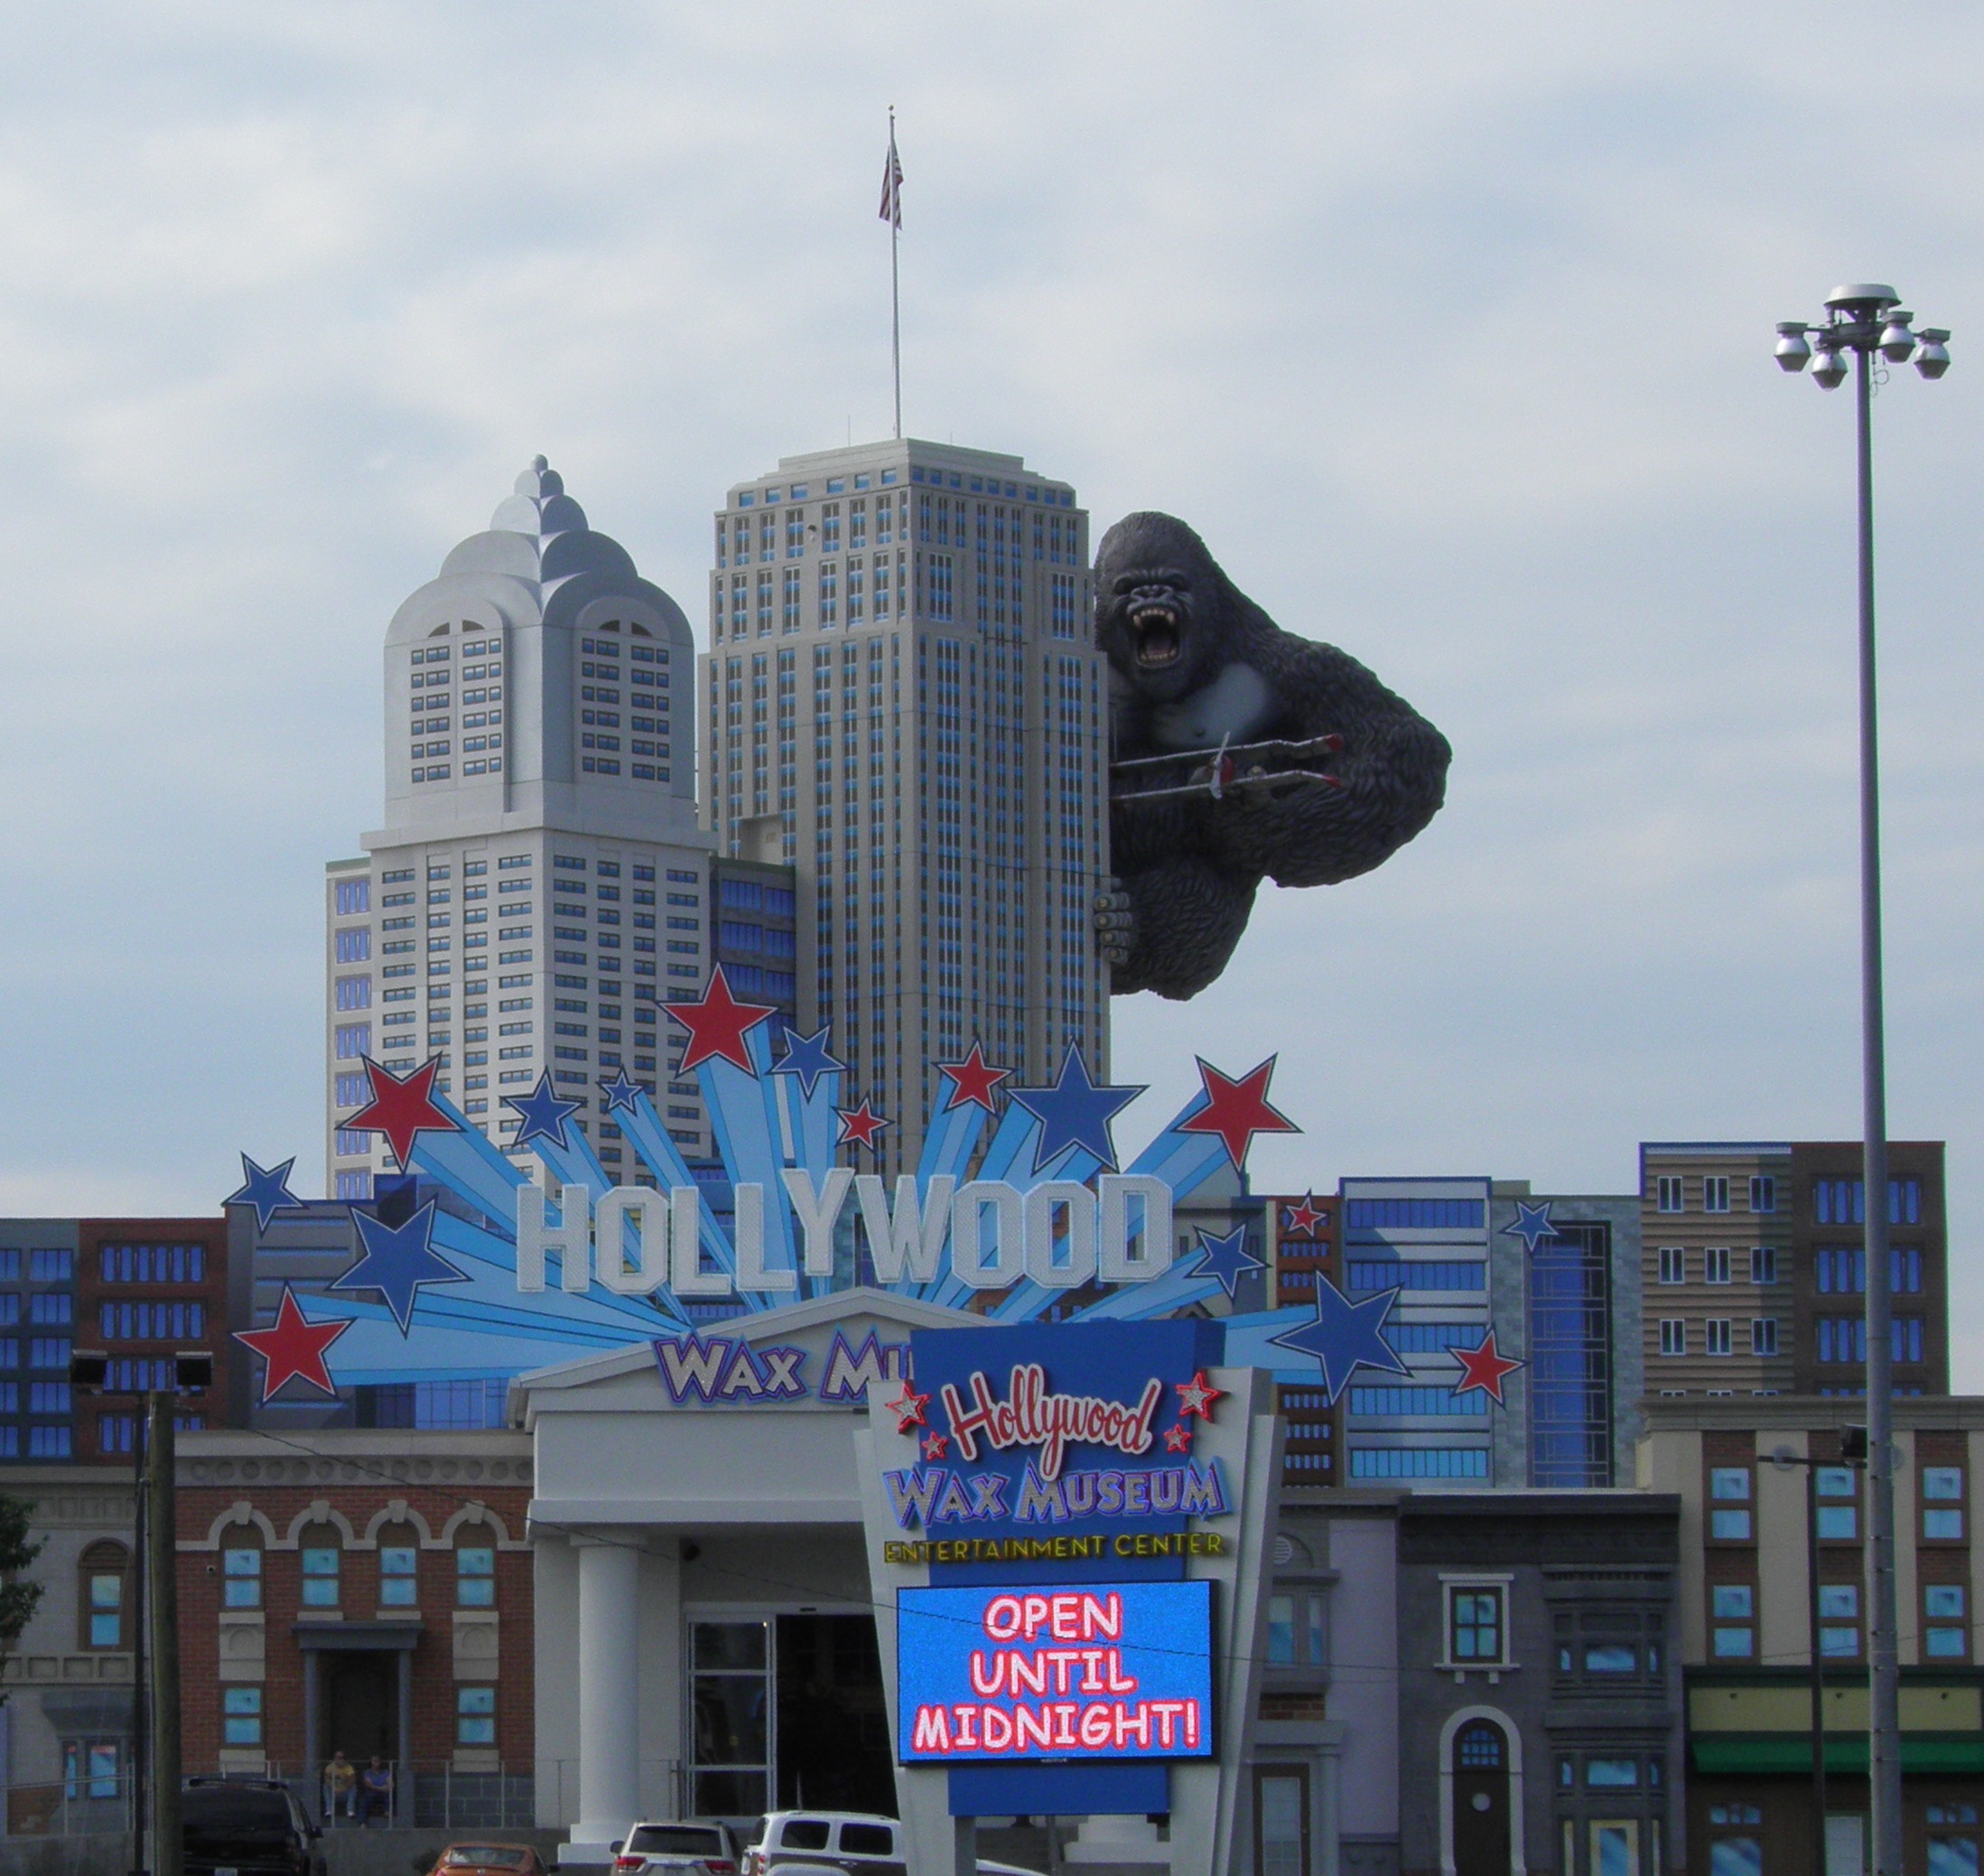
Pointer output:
x,y
902,701
541,877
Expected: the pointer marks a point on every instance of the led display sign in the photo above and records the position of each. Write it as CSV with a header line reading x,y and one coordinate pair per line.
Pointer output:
x,y
1087,1672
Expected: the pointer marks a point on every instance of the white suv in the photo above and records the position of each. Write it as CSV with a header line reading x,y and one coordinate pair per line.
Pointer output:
x,y
826,1843
687,1847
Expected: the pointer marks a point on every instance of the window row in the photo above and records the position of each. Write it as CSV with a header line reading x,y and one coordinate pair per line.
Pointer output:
x,y
474,1572
44,1267
1945,1628
153,1262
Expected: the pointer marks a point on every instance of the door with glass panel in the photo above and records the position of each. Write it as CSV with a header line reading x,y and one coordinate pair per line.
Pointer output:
x,y
1280,1820
730,1717
1481,1800
1615,1846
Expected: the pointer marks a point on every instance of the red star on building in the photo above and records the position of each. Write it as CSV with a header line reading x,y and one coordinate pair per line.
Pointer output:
x,y
401,1109
294,1345
907,1407
971,1080
1303,1220
861,1125
1237,1110
1179,1438
1196,1397
937,1445
718,1025
1486,1368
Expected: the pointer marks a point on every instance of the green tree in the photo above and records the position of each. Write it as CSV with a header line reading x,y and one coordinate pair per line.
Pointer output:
x,y
18,1600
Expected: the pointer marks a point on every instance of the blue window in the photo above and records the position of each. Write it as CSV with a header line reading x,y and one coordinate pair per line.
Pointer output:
x,y
353,1040
1418,1462
475,1716
241,1716
399,1577
1945,1604
1611,1774
353,1091
48,1351
47,1397
354,946
1942,1493
352,896
52,1308
320,1579
241,1578
475,1577
1415,1214
48,1443
1415,1274
51,1267
354,1185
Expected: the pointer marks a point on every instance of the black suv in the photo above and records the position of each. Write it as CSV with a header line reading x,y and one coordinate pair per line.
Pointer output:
x,y
246,1827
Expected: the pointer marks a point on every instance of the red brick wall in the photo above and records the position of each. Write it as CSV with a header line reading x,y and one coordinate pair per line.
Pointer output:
x,y
434,1691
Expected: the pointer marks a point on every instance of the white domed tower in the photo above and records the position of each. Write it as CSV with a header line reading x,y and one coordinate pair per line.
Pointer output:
x,y
539,731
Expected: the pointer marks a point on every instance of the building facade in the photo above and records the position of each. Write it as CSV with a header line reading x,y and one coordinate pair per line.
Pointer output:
x,y
37,1332
1753,1274
1745,1619
540,885
1540,1694
902,701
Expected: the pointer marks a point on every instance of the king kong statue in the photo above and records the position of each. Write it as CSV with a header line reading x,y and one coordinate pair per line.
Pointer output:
x,y
1240,752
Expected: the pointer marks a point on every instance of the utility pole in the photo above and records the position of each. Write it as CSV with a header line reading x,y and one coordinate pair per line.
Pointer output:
x,y
162,1561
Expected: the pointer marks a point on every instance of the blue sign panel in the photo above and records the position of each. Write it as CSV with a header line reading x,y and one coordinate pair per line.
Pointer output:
x,y
1081,1673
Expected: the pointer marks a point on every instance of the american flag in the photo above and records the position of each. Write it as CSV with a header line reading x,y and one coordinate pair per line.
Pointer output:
x,y
891,183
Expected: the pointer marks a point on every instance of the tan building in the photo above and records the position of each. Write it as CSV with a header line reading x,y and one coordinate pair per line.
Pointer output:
x,y
903,701
1745,1625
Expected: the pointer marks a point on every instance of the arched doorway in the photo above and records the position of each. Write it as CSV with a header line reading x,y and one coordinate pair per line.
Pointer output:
x,y
1480,1787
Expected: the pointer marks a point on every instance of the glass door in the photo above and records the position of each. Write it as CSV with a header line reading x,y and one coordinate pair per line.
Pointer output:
x,y
730,1710
1280,1820
1615,1847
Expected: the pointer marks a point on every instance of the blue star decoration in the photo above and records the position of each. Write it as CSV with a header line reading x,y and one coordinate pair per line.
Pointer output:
x,y
267,1188
620,1092
1075,1112
1226,1259
807,1057
545,1113
1345,1336
398,1263
1532,1225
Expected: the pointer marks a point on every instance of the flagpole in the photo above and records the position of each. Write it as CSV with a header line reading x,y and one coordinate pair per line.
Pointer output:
x,y
895,283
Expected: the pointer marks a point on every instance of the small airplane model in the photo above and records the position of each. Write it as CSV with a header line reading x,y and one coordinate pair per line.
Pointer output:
x,y
1231,769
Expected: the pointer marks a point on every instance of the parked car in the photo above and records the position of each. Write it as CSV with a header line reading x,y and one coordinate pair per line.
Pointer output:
x,y
483,1860
827,1843
246,1827
688,1846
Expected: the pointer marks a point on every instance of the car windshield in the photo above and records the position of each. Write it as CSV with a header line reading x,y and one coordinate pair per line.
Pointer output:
x,y
501,1856
677,1840
219,1807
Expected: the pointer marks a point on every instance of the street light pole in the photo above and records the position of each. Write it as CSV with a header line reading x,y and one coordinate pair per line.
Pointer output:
x,y
1867,322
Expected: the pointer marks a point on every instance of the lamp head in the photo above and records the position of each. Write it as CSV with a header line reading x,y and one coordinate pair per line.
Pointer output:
x,y
1932,357
1897,342
1829,368
1793,353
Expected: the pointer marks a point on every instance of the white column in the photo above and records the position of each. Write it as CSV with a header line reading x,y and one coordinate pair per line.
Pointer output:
x,y
609,1697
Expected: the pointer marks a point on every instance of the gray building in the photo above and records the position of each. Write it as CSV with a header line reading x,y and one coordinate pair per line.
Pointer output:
x,y
903,702
1539,1691
540,888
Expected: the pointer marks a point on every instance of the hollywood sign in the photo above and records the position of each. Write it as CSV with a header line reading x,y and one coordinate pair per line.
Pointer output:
x,y
1059,1234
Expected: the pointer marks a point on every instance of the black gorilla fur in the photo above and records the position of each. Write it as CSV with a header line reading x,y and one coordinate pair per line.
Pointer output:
x,y
1193,660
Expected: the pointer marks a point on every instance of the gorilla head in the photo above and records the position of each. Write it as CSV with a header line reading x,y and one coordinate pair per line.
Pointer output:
x,y
1162,606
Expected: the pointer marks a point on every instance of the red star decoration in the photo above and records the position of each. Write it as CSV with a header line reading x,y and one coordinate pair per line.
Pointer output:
x,y
294,1346
1196,1397
861,1125
1486,1368
907,1407
717,1026
937,1445
972,1081
1304,1219
401,1109
1237,1110
1179,1438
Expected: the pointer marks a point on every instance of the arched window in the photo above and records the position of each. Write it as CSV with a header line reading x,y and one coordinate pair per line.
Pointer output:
x,y
241,1568
1477,1747
475,1567
399,1566
103,1600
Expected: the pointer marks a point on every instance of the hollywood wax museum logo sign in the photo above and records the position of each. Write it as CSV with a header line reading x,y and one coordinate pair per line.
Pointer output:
x,y
466,1267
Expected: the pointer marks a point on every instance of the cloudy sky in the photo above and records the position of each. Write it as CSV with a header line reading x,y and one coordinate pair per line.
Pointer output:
x,y
1448,325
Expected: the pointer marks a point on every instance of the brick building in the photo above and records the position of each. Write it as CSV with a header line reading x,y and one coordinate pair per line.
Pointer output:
x,y
363,1591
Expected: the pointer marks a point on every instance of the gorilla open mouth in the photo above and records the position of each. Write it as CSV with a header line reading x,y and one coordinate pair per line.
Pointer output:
x,y
1158,636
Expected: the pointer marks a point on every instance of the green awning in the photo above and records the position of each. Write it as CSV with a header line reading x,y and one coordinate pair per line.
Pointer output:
x,y
1926,1753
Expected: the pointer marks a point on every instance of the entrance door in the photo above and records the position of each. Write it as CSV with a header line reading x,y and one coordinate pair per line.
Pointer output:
x,y
833,1748
1280,1820
1846,1843
1481,1800
360,1715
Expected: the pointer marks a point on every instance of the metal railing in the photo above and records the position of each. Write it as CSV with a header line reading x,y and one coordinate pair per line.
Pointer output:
x,y
82,1807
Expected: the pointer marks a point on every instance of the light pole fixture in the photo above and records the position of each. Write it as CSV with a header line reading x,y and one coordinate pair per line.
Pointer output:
x,y
1867,323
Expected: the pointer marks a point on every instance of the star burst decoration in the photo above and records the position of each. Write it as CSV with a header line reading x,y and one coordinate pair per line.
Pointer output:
x,y
935,1445
1224,1259
1303,1220
1485,1367
807,1058
907,1407
1344,1337
1195,1397
718,1025
399,1261
1532,1225
1237,1110
1179,1438
545,1111
1075,1112
621,1092
402,1109
861,1125
972,1081
293,1346
267,1188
